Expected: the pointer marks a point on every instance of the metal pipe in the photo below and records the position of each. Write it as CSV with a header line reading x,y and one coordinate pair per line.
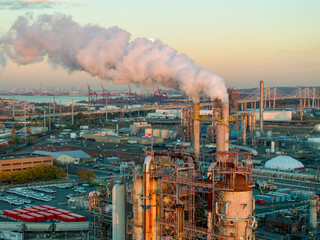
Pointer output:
x,y
261,105
225,212
235,219
244,130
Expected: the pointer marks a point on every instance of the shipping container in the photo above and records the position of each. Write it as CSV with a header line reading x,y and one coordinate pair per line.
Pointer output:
x,y
66,218
66,212
48,216
30,209
10,213
48,207
27,218
39,208
79,218
55,213
267,199
39,218
20,211
281,196
260,202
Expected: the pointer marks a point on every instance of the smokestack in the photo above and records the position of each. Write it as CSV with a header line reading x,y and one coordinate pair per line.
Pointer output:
x,y
223,130
225,120
196,128
261,105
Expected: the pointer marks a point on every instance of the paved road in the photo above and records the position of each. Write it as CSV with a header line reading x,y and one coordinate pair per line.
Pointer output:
x,y
290,183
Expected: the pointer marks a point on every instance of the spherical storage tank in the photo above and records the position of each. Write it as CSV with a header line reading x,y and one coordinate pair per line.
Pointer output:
x,y
284,163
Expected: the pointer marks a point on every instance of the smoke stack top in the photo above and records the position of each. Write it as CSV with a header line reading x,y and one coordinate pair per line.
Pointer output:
x,y
108,54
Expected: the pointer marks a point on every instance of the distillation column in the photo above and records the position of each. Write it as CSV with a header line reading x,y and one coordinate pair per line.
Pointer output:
x,y
118,212
231,207
236,209
313,212
150,202
137,209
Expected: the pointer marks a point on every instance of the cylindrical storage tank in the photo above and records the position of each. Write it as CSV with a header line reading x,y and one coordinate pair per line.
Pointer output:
x,y
156,132
118,212
164,133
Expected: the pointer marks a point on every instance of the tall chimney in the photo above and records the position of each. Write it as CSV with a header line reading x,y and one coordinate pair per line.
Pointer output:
x,y
225,120
223,130
261,105
196,128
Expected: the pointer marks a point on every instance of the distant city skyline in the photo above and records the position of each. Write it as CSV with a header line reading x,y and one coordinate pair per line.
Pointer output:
x,y
241,41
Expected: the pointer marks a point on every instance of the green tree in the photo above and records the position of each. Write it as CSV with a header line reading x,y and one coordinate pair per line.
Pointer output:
x,y
55,163
59,173
18,176
87,175
6,177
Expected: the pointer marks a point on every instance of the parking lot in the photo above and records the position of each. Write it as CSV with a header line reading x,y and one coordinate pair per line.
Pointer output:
x,y
55,195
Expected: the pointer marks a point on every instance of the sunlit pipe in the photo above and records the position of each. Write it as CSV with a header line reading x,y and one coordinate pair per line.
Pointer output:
x,y
225,213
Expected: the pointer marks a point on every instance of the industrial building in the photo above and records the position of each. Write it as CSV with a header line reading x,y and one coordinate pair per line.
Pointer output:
x,y
23,161
67,157
195,194
180,195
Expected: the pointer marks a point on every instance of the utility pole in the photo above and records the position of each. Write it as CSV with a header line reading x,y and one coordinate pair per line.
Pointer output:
x,y
60,111
25,123
106,108
49,117
54,109
72,119
261,106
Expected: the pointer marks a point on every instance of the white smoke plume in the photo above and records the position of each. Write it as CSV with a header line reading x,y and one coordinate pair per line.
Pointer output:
x,y
109,54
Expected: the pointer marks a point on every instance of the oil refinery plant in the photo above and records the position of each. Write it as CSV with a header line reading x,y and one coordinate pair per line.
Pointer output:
x,y
185,193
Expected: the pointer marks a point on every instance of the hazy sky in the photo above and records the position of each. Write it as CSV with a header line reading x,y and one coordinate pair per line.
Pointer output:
x,y
242,41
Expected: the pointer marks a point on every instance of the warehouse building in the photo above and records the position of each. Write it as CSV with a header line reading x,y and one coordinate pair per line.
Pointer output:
x,y
67,157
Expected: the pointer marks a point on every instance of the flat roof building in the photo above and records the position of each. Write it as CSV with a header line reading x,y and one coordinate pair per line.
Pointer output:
x,y
12,163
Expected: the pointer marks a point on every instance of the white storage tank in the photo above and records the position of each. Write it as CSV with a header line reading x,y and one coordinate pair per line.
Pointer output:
x,y
118,212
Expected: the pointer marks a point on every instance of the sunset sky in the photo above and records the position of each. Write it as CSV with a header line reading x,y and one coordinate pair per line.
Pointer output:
x,y
241,41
